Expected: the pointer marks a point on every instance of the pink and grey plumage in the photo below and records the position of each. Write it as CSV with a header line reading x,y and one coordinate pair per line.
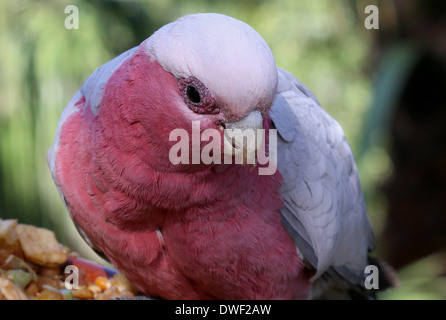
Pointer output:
x,y
202,231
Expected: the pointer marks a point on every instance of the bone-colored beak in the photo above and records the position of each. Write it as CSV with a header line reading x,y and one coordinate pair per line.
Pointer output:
x,y
241,139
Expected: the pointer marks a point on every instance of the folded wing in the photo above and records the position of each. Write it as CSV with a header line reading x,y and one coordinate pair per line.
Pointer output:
x,y
324,210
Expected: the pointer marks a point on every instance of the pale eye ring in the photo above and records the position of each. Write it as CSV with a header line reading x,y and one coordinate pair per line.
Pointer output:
x,y
197,96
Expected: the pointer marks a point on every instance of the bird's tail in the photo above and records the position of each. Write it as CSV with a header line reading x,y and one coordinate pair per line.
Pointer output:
x,y
382,277
388,277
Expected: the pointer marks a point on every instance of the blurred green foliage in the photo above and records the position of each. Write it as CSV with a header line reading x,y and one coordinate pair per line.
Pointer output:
x,y
42,64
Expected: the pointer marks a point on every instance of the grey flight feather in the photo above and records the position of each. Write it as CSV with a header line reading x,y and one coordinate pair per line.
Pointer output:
x,y
324,211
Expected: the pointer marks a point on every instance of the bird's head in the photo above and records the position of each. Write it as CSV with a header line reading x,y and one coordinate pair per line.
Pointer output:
x,y
207,67
223,66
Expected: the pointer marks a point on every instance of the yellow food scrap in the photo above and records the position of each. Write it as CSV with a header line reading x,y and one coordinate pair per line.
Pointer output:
x,y
11,291
8,234
48,294
32,263
40,245
122,283
83,293
102,282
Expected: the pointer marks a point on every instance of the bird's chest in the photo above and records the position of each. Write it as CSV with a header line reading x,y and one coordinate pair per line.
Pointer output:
x,y
246,256
230,250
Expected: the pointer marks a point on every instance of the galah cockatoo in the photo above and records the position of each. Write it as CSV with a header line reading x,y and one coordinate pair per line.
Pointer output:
x,y
184,230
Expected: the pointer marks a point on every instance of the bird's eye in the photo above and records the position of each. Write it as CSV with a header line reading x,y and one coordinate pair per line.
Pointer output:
x,y
197,96
193,94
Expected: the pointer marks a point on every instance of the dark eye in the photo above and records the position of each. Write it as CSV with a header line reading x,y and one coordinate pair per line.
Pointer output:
x,y
193,94
197,96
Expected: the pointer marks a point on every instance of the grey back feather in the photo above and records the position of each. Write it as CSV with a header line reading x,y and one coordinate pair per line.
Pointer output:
x,y
93,88
324,211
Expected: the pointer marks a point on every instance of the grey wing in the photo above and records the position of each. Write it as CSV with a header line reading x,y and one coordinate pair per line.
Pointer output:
x,y
324,210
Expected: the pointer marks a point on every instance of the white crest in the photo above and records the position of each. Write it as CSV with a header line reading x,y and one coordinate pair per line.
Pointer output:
x,y
226,54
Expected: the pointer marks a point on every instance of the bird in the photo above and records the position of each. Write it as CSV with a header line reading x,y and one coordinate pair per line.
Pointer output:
x,y
182,230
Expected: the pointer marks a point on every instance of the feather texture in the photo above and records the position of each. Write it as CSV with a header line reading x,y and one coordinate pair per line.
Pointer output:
x,y
324,210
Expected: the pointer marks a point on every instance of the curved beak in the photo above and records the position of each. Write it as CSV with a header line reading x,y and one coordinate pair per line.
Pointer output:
x,y
241,138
